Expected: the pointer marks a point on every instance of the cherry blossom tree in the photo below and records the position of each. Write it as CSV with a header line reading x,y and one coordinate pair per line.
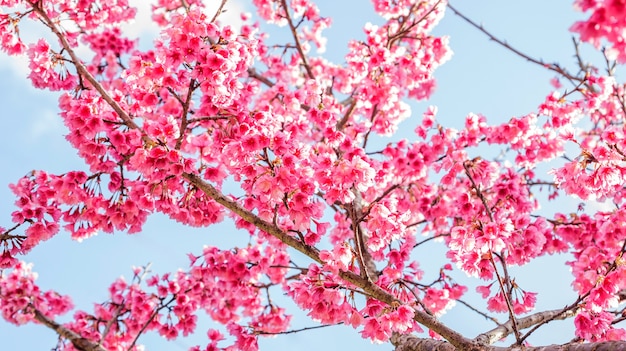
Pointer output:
x,y
214,123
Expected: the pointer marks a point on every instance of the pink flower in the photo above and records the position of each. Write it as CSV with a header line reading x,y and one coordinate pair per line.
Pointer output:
x,y
7,260
497,303
592,326
461,239
525,303
484,290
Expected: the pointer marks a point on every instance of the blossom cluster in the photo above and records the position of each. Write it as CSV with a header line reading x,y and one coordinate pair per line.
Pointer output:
x,y
20,297
606,22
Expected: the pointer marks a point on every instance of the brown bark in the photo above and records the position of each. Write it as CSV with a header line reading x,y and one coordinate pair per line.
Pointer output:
x,y
490,337
412,343
78,341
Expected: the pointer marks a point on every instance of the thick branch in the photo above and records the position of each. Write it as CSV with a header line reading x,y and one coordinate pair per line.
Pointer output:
x,y
78,341
249,217
490,337
411,343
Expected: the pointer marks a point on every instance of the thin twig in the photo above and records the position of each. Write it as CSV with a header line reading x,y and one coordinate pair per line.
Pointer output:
x,y
402,32
506,295
260,332
493,319
183,118
346,116
254,74
355,213
207,118
369,131
505,292
507,278
295,37
377,200
150,319
478,191
109,324
579,59
553,67
6,236
417,298
573,308
219,11
429,239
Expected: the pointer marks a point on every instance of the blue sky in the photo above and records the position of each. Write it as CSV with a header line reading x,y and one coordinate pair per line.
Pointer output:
x,y
482,77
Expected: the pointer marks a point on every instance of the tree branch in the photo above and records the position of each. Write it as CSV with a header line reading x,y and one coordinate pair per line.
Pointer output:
x,y
7,237
295,37
502,331
78,341
219,11
249,217
252,73
147,323
342,123
573,307
412,343
505,292
366,262
553,67
293,331
107,327
185,105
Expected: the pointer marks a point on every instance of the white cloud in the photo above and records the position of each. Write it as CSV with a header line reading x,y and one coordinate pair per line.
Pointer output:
x,y
143,26
593,206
